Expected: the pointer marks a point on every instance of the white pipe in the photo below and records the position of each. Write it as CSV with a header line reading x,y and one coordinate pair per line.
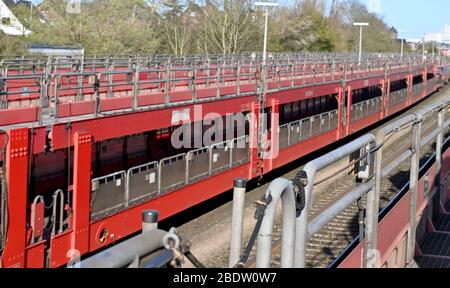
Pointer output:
x,y
237,222
278,189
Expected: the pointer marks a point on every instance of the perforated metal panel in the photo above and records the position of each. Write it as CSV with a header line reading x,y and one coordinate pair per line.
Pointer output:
x,y
172,173
221,157
198,164
108,195
241,151
284,137
333,120
142,183
294,135
305,129
316,125
325,122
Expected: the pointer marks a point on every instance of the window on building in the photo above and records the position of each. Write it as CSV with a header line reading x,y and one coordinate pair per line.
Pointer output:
x,y
6,21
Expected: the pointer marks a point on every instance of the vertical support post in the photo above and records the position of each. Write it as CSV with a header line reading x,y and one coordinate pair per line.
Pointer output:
x,y
371,256
167,85
80,81
135,86
340,112
274,134
254,141
439,146
43,96
238,80
218,82
349,109
333,70
388,96
384,109
425,82
194,84
56,96
150,220
237,222
410,89
110,78
17,160
293,74
414,185
96,85
81,192
304,72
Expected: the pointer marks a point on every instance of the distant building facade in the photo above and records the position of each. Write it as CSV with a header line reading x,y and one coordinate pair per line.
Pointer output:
x,y
9,24
57,51
442,37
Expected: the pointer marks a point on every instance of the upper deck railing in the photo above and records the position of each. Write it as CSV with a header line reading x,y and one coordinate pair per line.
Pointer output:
x,y
47,90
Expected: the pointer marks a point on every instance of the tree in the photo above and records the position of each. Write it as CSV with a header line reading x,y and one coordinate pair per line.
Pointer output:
x,y
230,26
11,45
102,27
183,27
305,27
378,37
178,25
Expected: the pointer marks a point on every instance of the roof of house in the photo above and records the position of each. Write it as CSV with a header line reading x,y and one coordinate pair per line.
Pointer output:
x,y
13,27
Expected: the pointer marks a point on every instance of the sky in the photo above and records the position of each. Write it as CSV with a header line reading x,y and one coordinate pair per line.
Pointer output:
x,y
414,16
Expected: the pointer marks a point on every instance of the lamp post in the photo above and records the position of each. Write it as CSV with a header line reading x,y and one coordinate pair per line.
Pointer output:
x,y
360,25
262,105
401,33
423,47
266,5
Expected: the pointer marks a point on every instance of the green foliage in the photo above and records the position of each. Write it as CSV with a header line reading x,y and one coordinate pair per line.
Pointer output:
x,y
10,45
209,26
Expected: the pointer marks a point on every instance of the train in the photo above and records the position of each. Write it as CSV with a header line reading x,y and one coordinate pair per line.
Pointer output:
x,y
88,144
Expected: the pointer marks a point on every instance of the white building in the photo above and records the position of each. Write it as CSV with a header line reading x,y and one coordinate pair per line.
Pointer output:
x,y
443,37
54,50
9,23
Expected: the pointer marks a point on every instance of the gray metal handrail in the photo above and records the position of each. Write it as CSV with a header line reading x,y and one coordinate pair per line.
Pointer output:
x,y
306,228
279,189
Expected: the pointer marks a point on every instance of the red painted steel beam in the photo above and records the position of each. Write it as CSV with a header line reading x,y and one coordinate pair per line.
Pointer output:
x,y
17,161
340,112
117,126
349,110
127,222
256,165
81,193
274,137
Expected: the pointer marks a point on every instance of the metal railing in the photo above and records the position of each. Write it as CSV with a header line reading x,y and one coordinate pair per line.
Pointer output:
x,y
115,192
153,248
298,131
372,172
398,96
366,108
143,83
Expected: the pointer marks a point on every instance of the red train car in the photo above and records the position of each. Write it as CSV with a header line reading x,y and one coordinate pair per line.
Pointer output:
x,y
88,144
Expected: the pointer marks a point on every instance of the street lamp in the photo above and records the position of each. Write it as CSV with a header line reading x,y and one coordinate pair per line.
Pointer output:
x,y
361,25
263,129
266,5
401,33
423,47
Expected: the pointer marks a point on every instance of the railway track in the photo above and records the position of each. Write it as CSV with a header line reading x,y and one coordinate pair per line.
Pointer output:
x,y
323,248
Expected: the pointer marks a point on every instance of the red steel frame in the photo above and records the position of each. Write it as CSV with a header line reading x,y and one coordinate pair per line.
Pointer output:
x,y
83,236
